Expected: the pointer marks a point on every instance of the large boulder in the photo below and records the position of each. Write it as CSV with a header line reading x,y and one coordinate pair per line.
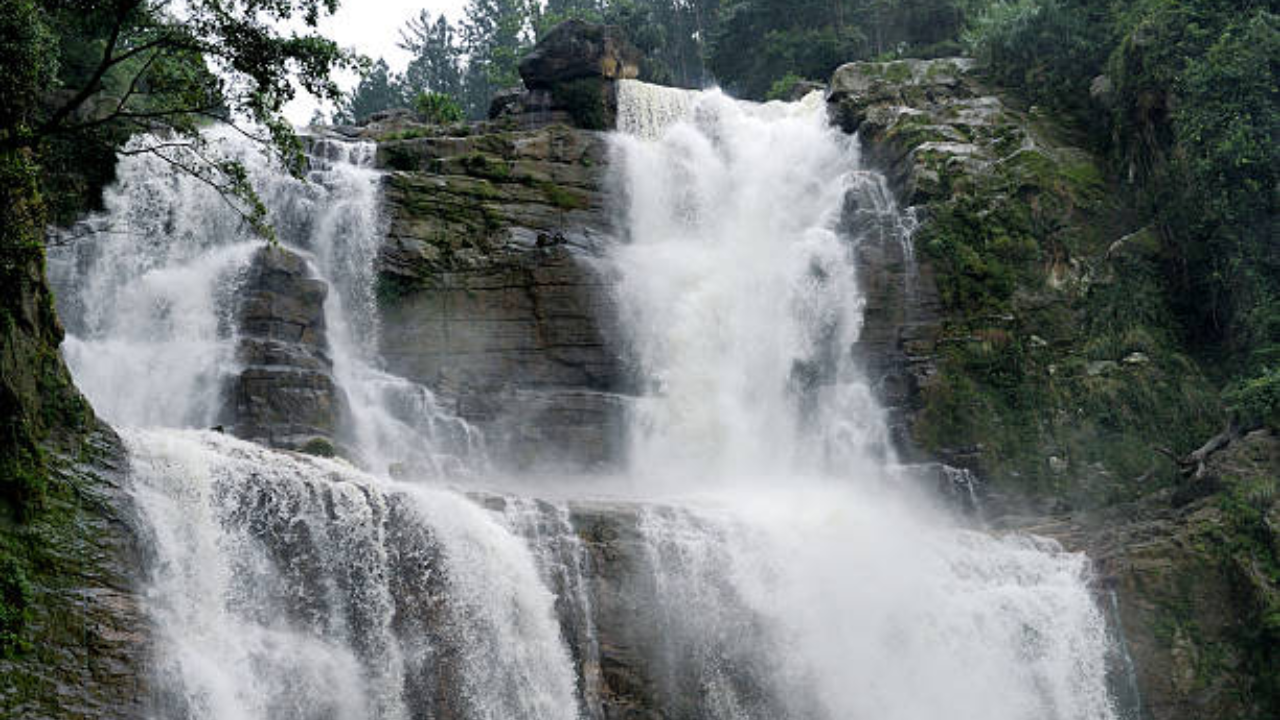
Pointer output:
x,y
571,77
285,397
575,50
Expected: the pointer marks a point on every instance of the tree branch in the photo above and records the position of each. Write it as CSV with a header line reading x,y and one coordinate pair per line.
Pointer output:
x,y
106,63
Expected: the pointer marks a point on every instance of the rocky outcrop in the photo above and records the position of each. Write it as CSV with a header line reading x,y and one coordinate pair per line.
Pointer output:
x,y
1038,355
84,650
73,641
574,50
285,396
571,76
489,282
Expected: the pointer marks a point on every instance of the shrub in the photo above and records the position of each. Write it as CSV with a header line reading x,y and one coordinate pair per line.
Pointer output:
x,y
438,108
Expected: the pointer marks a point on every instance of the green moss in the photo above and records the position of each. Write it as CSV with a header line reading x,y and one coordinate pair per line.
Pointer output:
x,y
478,164
1009,245
562,198
897,72
1248,547
320,447
15,605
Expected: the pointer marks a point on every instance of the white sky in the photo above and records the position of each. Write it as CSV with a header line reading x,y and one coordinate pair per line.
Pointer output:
x,y
371,27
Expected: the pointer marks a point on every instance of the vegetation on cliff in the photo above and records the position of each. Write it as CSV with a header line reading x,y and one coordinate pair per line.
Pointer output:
x,y
1182,96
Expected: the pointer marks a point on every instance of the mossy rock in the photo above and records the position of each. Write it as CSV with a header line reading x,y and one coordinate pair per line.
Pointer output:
x,y
319,447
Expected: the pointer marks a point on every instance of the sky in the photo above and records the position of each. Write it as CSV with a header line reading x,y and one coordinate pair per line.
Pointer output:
x,y
371,27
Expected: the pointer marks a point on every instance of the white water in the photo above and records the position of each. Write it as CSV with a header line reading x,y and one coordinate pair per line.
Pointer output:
x,y
295,587
740,294
147,290
775,567
286,586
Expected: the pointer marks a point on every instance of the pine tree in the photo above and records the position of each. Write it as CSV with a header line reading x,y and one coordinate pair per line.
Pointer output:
x,y
496,35
436,66
378,90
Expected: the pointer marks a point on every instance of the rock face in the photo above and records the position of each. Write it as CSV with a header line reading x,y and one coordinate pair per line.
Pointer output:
x,y
1033,288
285,397
489,279
84,650
73,640
574,50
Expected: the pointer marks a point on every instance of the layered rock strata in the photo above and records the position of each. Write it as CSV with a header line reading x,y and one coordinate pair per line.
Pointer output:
x,y
285,396
490,289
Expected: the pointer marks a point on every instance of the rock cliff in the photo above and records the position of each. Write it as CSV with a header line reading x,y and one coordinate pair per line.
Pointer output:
x,y
489,291
1049,363
73,640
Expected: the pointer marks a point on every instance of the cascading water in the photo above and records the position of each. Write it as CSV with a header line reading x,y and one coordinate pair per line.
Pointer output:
x,y
294,587
284,586
801,582
762,558
147,289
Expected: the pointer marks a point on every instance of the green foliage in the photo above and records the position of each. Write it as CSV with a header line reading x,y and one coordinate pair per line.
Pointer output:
x,y
496,34
15,606
1256,400
1248,546
378,90
1189,112
437,108
783,87
436,66
82,77
319,447
28,47
754,43
1223,176
1048,49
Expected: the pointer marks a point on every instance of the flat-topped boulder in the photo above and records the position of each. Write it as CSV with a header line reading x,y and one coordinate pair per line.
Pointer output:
x,y
575,50
571,76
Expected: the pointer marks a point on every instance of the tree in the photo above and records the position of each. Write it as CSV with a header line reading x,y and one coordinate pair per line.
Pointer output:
x,y
436,66
378,90
438,108
125,67
496,35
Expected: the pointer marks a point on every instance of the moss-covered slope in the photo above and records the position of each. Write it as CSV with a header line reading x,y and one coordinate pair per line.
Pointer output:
x,y
1056,371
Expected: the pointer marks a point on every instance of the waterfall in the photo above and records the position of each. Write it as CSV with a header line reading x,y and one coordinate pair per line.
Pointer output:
x,y
798,578
284,586
764,556
147,288
294,587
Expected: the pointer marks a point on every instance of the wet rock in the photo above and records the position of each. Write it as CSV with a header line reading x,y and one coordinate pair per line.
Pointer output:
x,y
285,396
490,289
570,77
1193,585
88,640
856,88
